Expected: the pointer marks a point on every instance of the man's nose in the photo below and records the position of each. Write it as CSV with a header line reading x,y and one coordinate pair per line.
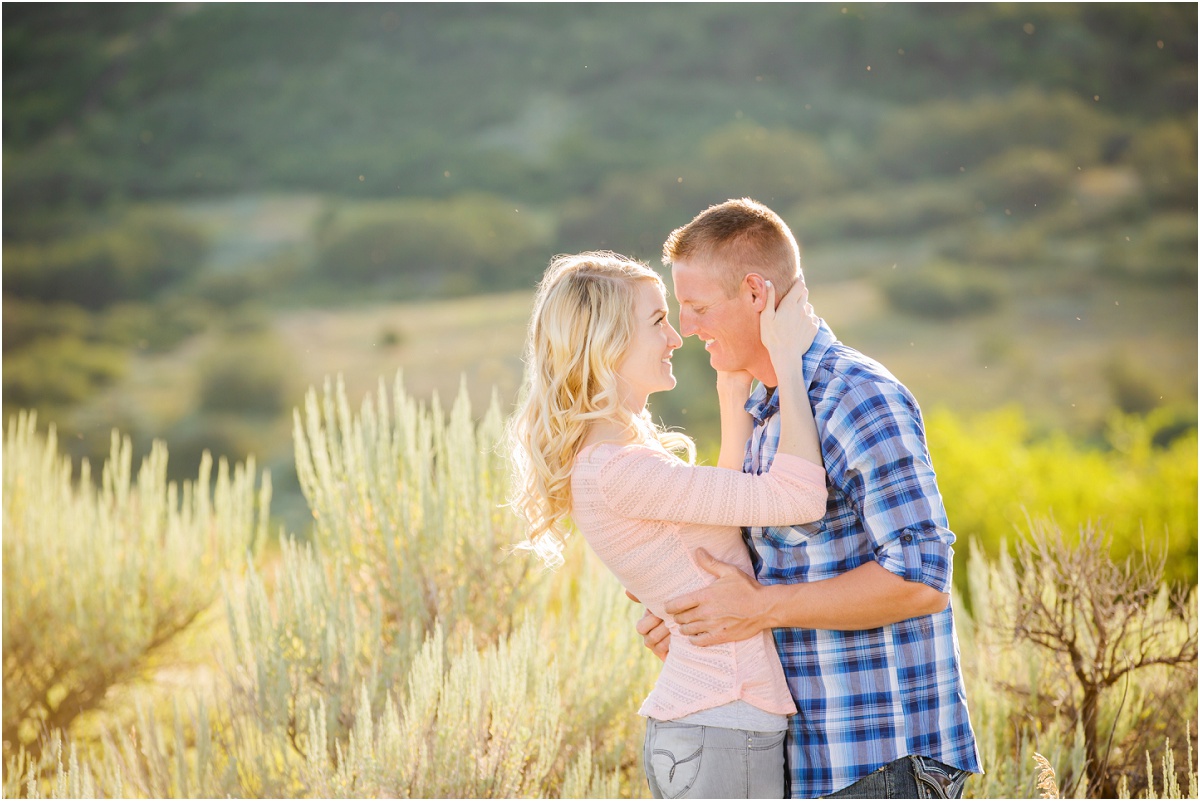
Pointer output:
x,y
686,326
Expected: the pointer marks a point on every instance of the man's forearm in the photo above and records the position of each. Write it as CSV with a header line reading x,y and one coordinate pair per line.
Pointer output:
x,y
736,607
864,598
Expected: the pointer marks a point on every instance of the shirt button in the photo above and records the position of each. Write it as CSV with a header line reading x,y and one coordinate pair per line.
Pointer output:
x,y
907,538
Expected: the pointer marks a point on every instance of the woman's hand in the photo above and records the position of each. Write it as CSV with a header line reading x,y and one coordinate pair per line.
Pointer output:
x,y
734,385
789,330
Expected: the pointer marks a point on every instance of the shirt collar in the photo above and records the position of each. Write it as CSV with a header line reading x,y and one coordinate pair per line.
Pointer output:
x,y
763,405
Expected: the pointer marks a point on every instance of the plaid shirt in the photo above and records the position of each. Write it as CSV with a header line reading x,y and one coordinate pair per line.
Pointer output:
x,y
865,698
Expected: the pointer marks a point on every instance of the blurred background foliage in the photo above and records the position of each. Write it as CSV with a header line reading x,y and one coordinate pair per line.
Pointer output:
x,y
205,202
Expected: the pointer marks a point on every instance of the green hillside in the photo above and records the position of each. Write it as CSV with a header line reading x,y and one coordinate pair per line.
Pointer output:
x,y
997,200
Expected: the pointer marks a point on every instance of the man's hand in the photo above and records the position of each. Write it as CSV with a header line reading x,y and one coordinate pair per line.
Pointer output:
x,y
727,610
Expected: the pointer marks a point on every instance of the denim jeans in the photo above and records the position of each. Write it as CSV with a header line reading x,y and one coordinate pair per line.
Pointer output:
x,y
909,777
683,760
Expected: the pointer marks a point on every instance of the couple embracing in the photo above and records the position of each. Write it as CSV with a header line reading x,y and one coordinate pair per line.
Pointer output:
x,y
797,592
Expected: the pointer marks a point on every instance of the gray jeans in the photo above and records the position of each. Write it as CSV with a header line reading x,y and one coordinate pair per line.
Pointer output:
x,y
909,777
683,760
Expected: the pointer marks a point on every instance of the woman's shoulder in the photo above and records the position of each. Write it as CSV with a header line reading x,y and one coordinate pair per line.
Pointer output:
x,y
604,450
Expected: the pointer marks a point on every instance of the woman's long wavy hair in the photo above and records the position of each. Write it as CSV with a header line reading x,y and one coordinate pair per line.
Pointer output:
x,y
583,318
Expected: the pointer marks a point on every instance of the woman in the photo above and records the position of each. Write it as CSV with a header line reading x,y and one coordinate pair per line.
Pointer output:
x,y
584,446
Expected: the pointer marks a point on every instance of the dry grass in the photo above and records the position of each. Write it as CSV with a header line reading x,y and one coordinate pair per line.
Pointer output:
x,y
438,342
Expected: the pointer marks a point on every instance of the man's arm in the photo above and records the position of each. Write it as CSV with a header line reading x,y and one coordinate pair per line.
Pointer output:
x,y
736,607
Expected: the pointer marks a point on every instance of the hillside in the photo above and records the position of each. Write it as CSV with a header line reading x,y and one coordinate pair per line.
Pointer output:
x,y
998,201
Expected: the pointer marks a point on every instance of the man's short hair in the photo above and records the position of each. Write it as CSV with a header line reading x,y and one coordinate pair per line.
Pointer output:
x,y
735,238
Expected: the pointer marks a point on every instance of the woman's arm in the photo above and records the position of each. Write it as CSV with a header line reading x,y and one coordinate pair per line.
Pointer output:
x,y
733,390
788,332
649,484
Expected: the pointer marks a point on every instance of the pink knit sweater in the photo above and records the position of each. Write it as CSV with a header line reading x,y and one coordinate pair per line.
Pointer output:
x,y
643,511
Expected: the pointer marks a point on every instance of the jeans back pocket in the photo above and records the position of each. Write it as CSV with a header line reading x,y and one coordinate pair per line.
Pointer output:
x,y
674,754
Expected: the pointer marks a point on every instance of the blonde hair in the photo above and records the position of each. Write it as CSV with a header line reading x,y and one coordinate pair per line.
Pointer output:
x,y
735,238
582,323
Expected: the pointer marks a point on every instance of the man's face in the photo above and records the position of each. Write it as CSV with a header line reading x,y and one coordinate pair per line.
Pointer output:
x,y
728,325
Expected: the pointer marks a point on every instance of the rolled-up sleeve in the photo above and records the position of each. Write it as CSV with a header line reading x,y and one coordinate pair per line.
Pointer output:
x,y
886,472
920,554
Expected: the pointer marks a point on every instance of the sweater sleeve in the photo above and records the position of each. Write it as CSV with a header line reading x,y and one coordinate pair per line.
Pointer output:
x,y
648,484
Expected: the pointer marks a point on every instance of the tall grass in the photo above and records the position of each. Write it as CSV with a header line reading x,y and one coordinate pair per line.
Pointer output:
x,y
403,651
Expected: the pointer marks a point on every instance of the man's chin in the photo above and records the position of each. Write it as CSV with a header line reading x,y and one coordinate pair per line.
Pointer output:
x,y
718,364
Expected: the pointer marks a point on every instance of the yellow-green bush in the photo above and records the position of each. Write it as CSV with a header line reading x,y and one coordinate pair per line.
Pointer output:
x,y
994,470
96,577
414,499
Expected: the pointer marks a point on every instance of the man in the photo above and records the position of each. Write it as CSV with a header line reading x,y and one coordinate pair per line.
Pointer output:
x,y
859,601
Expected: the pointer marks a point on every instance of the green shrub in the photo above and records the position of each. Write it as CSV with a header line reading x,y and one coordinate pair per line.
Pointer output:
x,y
886,212
942,291
469,241
249,373
941,137
96,577
1164,154
1021,246
1025,179
64,370
1162,251
134,258
631,213
26,321
156,327
1135,388
776,165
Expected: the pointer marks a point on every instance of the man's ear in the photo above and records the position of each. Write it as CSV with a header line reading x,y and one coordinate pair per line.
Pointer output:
x,y
756,285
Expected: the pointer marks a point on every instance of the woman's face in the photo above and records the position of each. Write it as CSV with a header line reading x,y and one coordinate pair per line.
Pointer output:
x,y
646,365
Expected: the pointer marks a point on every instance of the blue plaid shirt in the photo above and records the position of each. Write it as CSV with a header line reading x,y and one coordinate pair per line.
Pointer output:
x,y
865,698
